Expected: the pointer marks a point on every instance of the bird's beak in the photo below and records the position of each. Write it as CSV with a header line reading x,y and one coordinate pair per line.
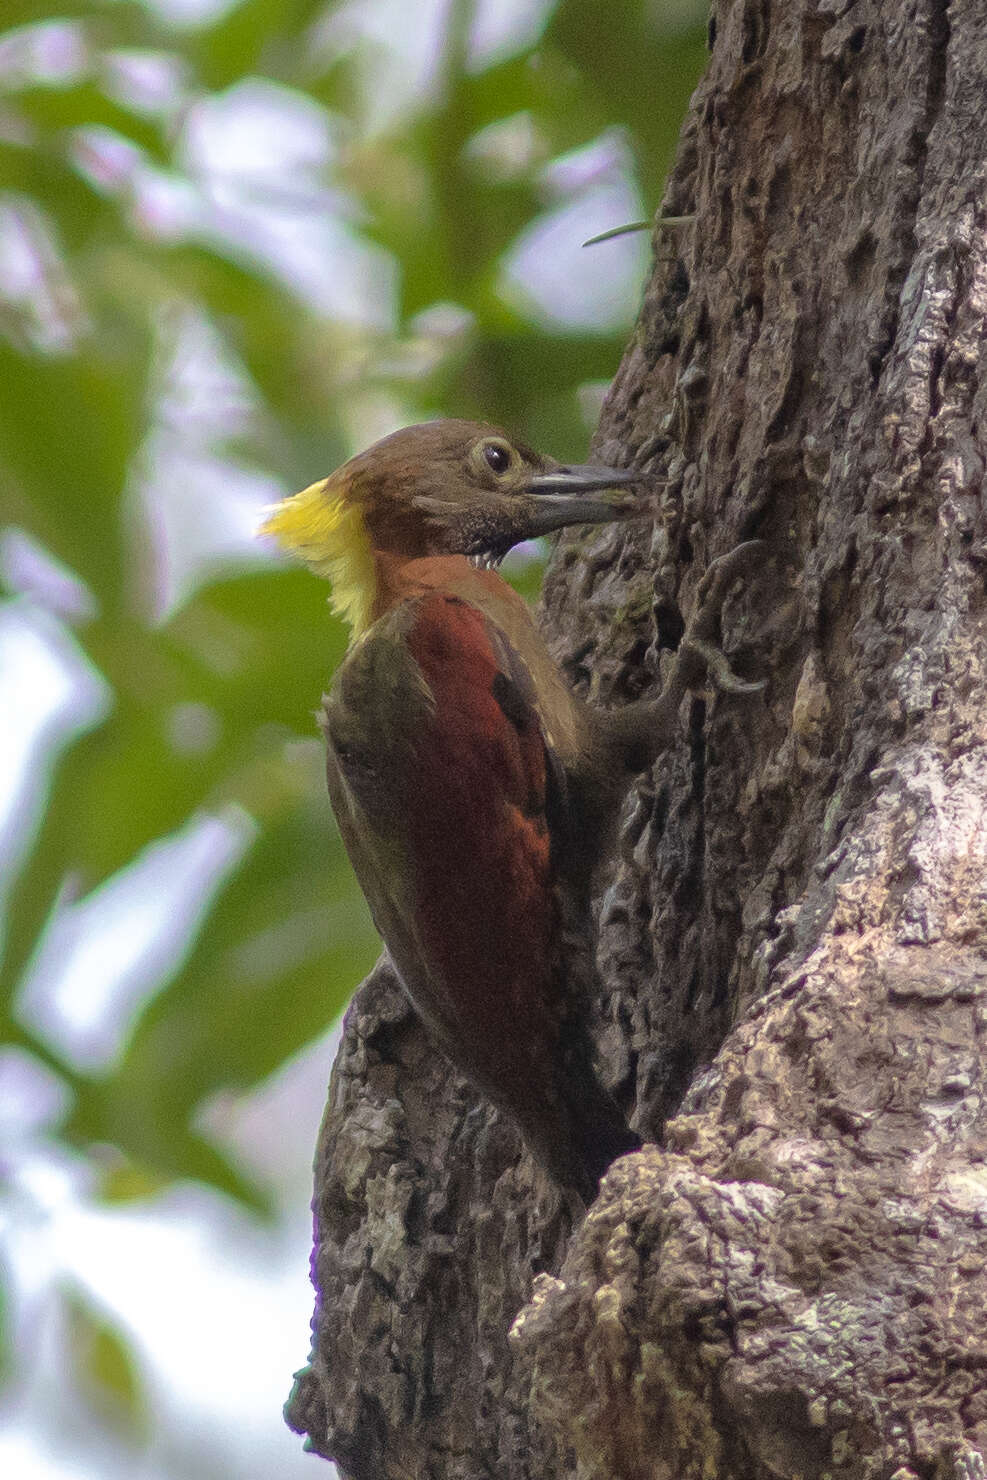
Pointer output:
x,y
560,496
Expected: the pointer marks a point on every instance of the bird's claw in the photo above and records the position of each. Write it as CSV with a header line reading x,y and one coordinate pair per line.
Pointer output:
x,y
717,581
715,665
703,657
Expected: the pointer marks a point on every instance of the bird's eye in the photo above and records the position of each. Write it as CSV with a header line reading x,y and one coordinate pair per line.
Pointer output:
x,y
497,457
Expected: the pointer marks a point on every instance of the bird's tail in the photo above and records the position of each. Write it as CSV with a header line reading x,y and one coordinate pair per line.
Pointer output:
x,y
599,1134
579,1129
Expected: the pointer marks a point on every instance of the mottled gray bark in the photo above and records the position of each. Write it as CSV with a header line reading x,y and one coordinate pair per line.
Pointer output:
x,y
794,940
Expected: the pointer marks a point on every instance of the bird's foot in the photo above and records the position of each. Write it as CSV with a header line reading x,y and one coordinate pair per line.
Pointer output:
x,y
640,732
699,658
711,663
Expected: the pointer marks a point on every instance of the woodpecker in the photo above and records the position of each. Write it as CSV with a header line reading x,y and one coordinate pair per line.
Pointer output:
x,y
475,793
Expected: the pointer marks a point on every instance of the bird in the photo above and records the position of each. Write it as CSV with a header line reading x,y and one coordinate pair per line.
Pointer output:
x,y
476,794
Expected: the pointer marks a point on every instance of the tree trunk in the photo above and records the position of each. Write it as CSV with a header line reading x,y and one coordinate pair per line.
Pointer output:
x,y
794,937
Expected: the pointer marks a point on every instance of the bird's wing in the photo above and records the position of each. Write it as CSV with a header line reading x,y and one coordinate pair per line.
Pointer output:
x,y
443,786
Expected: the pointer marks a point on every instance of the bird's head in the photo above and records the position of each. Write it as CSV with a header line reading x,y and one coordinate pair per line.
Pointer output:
x,y
440,488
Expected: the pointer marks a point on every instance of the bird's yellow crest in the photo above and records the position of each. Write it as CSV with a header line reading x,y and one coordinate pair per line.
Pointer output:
x,y
328,533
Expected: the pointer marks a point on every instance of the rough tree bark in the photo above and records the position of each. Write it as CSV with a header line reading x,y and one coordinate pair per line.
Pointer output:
x,y
794,941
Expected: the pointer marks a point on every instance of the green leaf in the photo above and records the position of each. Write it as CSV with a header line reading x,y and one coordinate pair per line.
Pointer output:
x,y
53,111
256,36
287,941
104,1367
621,52
255,651
68,429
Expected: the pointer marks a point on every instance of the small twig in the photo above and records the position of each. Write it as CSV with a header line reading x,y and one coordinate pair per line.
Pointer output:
x,y
605,236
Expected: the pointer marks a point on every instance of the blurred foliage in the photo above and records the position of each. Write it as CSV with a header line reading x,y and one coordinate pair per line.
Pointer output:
x,y
426,194
105,1367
